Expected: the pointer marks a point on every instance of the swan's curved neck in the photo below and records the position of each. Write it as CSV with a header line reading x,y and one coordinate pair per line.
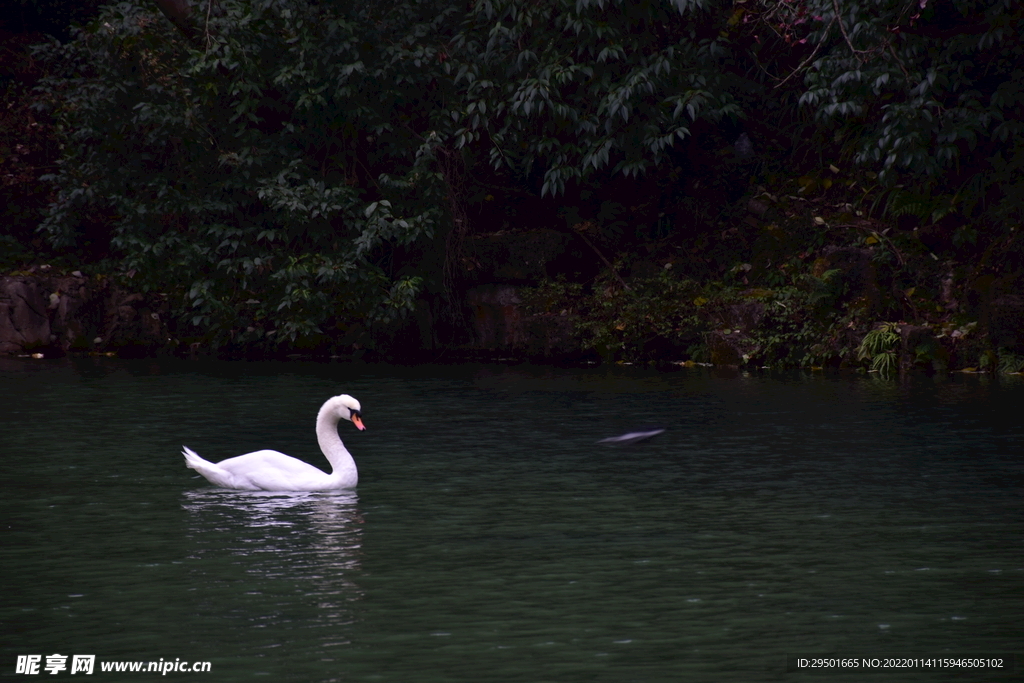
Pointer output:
x,y
344,467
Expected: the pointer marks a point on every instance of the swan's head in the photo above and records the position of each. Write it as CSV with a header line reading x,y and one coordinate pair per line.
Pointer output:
x,y
348,409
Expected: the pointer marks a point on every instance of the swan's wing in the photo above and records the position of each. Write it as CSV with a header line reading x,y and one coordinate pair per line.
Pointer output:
x,y
273,471
266,459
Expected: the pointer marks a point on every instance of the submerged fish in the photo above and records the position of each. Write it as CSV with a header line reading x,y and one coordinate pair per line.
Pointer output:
x,y
632,437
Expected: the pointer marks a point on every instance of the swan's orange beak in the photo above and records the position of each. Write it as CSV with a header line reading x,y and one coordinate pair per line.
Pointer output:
x,y
358,422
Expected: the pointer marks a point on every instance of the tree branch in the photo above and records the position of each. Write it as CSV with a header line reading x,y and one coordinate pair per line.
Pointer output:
x,y
807,61
842,28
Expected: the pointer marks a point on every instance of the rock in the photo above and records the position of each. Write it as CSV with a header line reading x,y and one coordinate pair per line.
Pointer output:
x,y
1006,321
857,271
743,147
512,257
744,316
551,335
757,207
497,319
24,321
730,348
948,294
59,314
499,324
919,347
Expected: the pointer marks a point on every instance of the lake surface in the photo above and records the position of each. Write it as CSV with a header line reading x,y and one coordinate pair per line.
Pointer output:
x,y
491,539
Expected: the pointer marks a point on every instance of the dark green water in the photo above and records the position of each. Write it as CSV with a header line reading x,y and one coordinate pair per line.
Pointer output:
x,y
490,539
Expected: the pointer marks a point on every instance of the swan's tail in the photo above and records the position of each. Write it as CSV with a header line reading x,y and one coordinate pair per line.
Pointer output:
x,y
193,460
213,473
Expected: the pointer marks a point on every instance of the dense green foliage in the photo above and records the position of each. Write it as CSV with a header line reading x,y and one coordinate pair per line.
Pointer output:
x,y
879,346
931,95
284,170
573,88
240,174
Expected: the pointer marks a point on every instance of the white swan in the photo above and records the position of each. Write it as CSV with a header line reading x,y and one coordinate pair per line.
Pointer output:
x,y
274,471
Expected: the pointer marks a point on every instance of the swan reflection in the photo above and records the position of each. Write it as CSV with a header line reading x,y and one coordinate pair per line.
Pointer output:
x,y
306,542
